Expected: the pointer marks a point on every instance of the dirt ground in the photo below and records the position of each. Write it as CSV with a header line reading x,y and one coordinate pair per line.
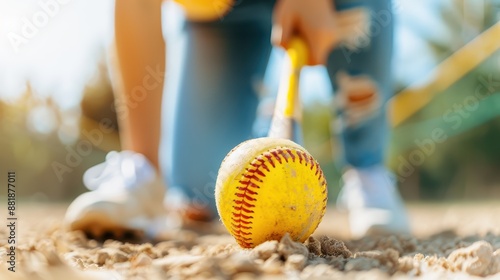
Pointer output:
x,y
450,241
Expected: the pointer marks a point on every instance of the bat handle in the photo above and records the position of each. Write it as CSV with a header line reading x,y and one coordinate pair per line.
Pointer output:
x,y
288,110
298,52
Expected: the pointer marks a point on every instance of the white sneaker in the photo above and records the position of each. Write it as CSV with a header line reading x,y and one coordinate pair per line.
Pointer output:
x,y
125,201
373,202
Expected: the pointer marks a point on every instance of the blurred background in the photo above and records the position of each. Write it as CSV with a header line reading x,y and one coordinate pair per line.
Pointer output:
x,y
55,92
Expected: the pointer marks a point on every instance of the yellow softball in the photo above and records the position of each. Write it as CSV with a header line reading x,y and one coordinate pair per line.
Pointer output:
x,y
267,187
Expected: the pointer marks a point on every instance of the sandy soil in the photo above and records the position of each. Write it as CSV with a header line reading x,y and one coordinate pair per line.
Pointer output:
x,y
457,241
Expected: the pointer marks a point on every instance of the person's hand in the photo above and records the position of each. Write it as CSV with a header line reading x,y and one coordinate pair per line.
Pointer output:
x,y
314,21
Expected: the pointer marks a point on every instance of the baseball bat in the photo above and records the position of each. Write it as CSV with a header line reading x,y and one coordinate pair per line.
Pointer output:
x,y
288,109
352,26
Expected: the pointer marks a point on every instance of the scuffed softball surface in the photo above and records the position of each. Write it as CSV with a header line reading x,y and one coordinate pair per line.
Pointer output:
x,y
267,187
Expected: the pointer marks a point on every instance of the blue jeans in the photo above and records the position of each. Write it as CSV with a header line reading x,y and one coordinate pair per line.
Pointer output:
x,y
211,97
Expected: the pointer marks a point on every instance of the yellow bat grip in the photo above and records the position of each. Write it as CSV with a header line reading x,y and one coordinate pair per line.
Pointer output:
x,y
297,53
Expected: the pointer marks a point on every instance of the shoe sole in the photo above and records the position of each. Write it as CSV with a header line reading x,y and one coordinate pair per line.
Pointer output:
x,y
102,228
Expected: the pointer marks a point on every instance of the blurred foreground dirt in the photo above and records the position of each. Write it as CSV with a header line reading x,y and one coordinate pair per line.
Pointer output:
x,y
459,240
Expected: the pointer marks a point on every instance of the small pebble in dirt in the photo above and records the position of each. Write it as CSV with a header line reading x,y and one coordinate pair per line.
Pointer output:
x,y
240,262
361,263
273,265
333,247
495,263
296,262
113,254
287,247
265,250
127,248
320,271
101,257
314,246
77,238
388,259
141,260
91,244
474,260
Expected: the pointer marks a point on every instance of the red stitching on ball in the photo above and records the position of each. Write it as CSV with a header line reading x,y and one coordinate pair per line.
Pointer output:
x,y
243,242
291,154
276,156
245,196
270,158
248,205
244,205
242,208
282,153
242,216
240,226
242,219
250,192
265,167
300,157
260,173
320,175
256,170
240,232
243,238
253,176
312,162
306,159
250,184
